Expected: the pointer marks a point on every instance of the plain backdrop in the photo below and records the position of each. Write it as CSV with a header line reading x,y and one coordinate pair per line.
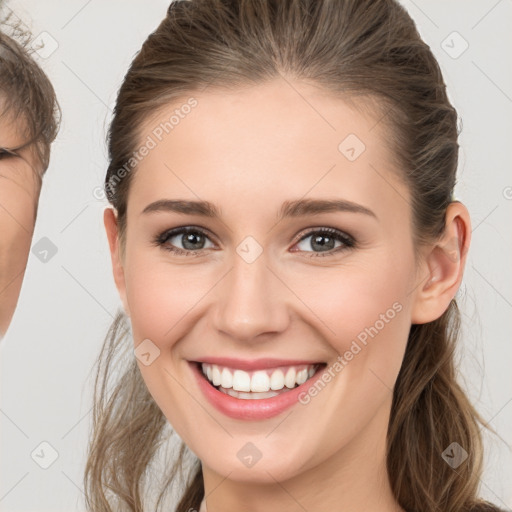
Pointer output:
x,y
67,302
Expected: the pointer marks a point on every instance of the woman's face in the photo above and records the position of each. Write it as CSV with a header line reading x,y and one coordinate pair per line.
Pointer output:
x,y
265,291
19,196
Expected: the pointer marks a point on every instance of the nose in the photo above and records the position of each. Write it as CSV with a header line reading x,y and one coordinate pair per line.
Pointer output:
x,y
251,302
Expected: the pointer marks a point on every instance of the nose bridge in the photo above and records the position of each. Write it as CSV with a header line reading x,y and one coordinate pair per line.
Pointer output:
x,y
251,300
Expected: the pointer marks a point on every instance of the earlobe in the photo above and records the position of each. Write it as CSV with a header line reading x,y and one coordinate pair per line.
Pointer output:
x,y
111,228
443,266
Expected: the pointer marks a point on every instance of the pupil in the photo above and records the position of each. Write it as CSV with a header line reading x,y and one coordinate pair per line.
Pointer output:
x,y
328,244
190,238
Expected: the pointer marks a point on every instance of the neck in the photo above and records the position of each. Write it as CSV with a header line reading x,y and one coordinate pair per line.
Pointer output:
x,y
354,478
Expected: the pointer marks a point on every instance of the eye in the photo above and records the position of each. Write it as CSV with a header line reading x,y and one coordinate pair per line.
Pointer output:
x,y
191,238
325,240
193,241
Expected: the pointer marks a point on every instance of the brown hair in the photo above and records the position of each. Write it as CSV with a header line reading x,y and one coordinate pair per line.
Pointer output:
x,y
26,93
353,48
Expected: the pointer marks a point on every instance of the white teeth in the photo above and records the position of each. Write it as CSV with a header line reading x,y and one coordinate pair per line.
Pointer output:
x,y
260,382
215,375
226,378
302,376
277,380
289,379
241,381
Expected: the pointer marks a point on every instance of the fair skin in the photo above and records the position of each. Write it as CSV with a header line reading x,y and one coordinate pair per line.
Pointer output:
x,y
20,186
247,152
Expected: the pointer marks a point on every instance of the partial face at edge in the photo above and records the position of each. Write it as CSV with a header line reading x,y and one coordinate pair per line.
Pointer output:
x,y
20,187
304,294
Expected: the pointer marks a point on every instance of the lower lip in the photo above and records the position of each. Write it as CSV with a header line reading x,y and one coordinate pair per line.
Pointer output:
x,y
258,409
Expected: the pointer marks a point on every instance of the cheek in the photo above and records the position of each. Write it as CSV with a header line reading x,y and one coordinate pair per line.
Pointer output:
x,y
161,296
360,302
18,200
364,313
163,301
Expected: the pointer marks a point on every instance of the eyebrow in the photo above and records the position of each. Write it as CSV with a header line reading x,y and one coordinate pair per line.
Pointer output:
x,y
296,208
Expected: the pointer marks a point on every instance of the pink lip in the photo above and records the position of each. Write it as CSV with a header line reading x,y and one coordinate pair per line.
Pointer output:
x,y
248,409
254,364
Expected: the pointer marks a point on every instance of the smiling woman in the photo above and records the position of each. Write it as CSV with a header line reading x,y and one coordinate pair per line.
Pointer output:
x,y
287,255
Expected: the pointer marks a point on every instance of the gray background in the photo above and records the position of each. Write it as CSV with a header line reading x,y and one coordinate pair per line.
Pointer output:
x,y
67,302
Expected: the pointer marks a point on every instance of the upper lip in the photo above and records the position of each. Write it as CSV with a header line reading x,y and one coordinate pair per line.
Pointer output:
x,y
255,364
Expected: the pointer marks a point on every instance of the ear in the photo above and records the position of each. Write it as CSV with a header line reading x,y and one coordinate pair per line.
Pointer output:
x,y
443,266
111,227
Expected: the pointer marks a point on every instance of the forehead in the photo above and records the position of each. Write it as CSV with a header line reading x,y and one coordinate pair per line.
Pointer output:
x,y
249,147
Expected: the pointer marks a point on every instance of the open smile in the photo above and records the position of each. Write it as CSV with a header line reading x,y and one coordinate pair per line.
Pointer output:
x,y
254,394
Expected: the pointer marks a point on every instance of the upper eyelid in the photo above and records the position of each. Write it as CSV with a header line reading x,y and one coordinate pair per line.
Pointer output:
x,y
326,229
168,233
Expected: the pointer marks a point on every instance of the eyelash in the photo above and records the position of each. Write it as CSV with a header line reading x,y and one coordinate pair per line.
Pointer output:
x,y
347,240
